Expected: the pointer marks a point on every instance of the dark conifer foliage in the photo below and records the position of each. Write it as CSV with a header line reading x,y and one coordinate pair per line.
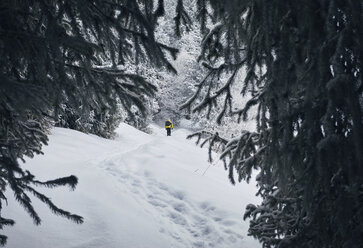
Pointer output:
x,y
303,63
181,17
59,56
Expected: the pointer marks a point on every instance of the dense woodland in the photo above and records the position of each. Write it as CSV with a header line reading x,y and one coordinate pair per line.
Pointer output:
x,y
88,65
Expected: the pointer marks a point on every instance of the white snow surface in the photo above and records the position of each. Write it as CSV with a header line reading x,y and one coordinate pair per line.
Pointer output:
x,y
137,191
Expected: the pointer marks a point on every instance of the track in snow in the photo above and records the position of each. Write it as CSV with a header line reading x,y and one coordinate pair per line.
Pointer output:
x,y
138,190
202,223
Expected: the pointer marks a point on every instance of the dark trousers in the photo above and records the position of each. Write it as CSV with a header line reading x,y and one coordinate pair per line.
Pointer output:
x,y
168,131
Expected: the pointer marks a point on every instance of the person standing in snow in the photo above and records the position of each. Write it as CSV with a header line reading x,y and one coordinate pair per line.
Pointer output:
x,y
168,127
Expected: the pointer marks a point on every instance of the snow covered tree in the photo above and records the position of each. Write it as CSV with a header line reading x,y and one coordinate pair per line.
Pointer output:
x,y
173,89
59,56
303,62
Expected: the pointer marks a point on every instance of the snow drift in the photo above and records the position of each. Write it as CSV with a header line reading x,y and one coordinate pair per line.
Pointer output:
x,y
138,190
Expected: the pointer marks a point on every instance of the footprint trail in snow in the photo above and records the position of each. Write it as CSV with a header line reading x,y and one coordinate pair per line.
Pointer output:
x,y
190,223
137,191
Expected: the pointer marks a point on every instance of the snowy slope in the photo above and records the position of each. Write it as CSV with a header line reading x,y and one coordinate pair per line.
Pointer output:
x,y
137,191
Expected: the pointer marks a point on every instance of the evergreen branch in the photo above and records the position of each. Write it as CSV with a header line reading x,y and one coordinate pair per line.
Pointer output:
x,y
48,51
76,218
181,17
213,139
207,38
244,111
24,200
3,240
173,51
160,11
189,102
70,181
6,222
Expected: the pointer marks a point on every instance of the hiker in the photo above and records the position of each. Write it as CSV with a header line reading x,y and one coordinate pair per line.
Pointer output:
x,y
168,127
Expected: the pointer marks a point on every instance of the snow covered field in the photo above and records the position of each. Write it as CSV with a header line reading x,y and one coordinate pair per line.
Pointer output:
x,y
137,191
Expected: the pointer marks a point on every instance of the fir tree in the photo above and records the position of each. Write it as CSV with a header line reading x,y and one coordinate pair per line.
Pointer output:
x,y
303,63
64,61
